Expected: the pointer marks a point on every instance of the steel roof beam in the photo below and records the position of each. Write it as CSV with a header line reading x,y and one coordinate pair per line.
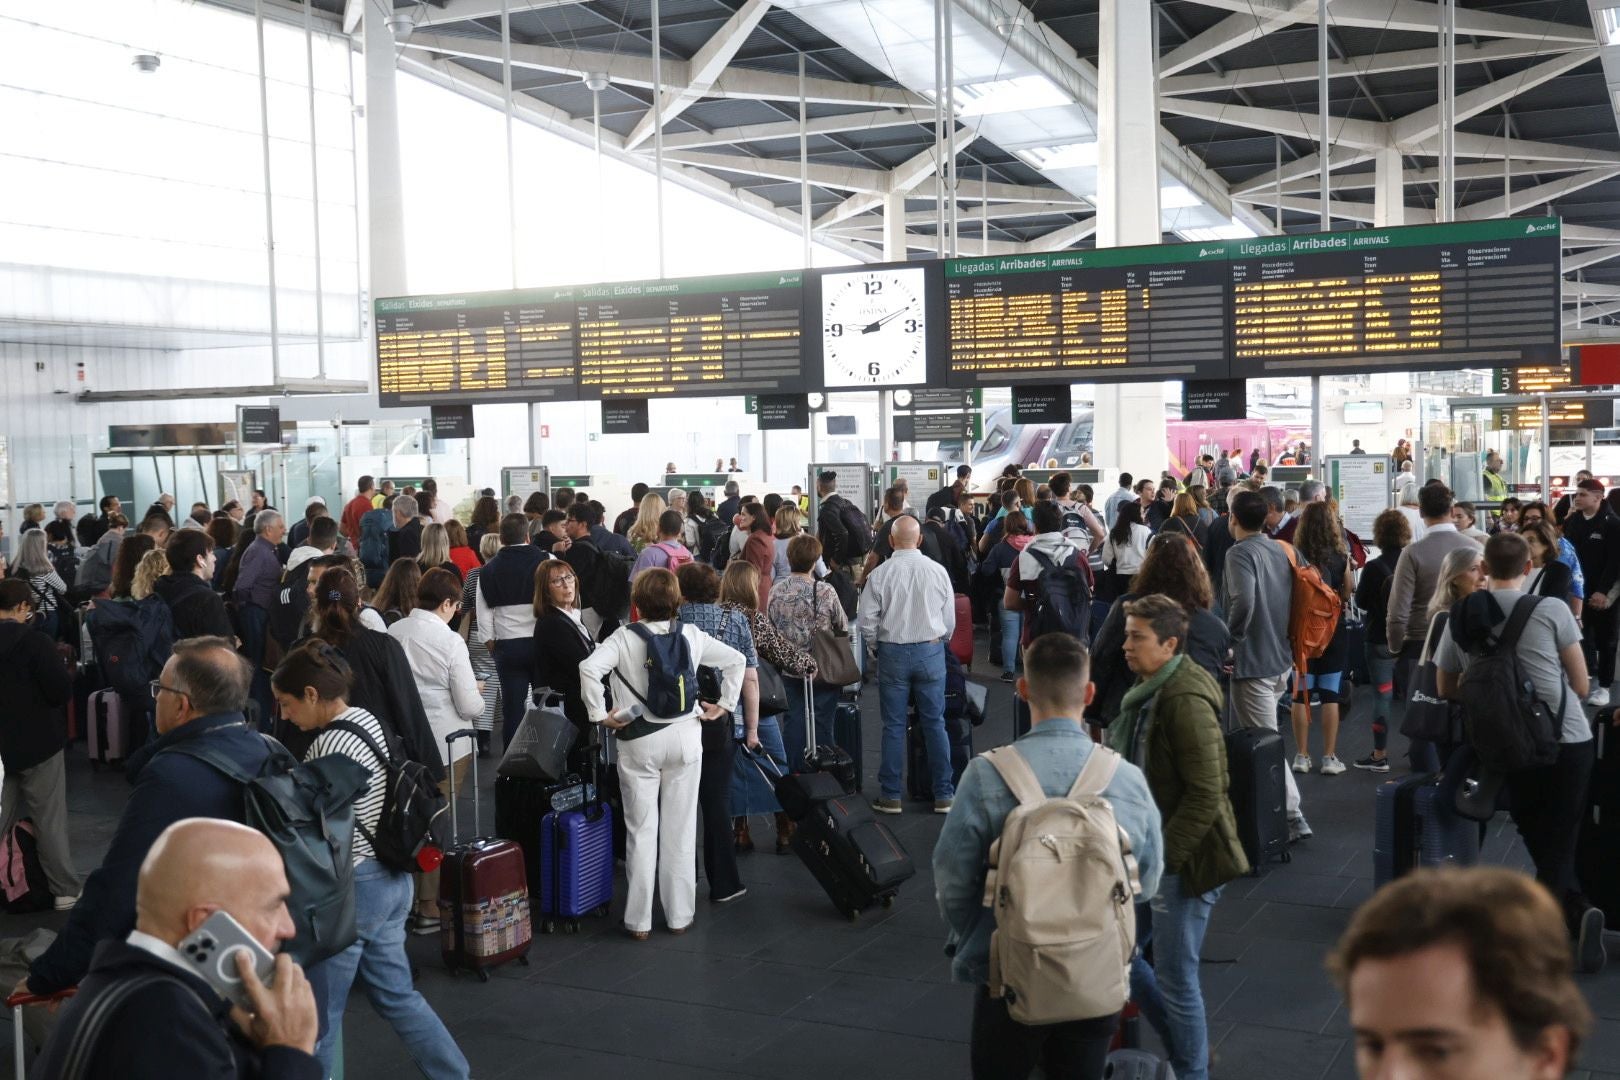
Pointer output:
x,y
966,245
1375,64
1472,170
1063,237
902,178
789,129
454,11
703,70
841,177
1425,123
1573,263
1360,134
1541,193
1413,16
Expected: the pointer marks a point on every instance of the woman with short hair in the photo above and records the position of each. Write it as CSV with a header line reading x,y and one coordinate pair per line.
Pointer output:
x,y
33,568
659,757
436,550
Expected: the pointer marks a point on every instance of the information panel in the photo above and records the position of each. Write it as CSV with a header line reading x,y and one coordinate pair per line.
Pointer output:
x,y
1112,314
1483,294
713,335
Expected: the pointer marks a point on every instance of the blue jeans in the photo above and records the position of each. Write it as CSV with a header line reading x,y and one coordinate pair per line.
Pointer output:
x,y
514,665
908,673
377,961
1168,991
255,627
1012,625
823,703
1381,668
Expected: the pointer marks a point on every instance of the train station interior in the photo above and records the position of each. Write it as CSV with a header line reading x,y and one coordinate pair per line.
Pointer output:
x,y
258,253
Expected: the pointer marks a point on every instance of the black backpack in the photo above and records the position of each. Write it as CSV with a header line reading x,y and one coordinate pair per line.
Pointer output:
x,y
714,542
672,685
413,809
1507,724
133,640
1062,598
858,528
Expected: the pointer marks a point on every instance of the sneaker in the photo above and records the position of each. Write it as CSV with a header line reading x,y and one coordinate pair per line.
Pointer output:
x,y
1590,955
64,903
1299,828
1372,764
738,895
1331,765
1008,677
1302,763
942,806
1598,698
886,806
422,925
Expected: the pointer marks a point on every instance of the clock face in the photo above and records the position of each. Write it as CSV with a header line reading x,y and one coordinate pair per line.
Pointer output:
x,y
874,328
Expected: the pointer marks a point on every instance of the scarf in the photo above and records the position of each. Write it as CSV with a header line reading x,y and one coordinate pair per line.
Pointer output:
x,y
1122,732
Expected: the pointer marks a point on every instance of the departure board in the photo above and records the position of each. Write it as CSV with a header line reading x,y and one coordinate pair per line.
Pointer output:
x,y
1111,314
696,335
713,335
1484,294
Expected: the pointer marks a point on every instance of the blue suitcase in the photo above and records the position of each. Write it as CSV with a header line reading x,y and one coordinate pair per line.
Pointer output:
x,y
1445,837
1395,827
576,865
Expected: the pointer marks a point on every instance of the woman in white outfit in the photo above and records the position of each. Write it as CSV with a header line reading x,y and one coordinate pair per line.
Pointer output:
x,y
660,757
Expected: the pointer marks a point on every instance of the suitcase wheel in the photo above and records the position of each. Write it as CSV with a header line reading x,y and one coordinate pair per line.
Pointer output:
x,y
524,960
549,926
483,976
601,912
1287,856
571,926
888,901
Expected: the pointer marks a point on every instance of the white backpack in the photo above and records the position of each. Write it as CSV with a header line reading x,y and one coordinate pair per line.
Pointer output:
x,y
1063,885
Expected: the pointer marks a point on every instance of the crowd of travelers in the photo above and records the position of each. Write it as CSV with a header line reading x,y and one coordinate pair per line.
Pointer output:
x,y
1137,630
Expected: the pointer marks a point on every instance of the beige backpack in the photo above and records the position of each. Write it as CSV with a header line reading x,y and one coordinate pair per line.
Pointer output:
x,y
1063,885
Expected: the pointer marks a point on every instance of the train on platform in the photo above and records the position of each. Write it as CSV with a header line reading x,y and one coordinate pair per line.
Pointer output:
x,y
1063,446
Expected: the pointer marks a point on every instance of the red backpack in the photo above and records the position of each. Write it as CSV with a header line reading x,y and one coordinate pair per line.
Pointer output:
x,y
1313,615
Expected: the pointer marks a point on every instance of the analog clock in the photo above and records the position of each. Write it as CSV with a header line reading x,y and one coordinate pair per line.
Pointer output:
x,y
874,327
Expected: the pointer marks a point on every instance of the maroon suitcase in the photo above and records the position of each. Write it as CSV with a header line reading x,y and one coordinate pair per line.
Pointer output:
x,y
483,894
962,635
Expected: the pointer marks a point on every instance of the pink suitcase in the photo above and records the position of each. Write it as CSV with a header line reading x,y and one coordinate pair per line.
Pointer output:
x,y
107,732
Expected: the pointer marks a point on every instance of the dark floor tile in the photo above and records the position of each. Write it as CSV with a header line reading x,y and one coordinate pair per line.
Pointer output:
x,y
1302,1001
602,966
1252,1052
748,986
1302,922
1358,892
817,946
858,1001
572,1061
1297,886
816,1051
891,954
675,1032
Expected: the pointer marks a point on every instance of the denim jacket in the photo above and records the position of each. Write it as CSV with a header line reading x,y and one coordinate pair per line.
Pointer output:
x,y
1056,750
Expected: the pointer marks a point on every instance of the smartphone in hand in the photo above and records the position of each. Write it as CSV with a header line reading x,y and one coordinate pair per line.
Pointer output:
x,y
210,951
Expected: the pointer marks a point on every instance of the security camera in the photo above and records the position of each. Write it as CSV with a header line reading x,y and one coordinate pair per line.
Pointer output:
x,y
401,24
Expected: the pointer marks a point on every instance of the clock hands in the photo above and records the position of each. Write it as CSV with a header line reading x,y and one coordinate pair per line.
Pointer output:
x,y
874,327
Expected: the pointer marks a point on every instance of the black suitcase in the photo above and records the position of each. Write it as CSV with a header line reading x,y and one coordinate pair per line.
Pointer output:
x,y
856,859
1596,867
847,737
919,785
520,804
1395,827
1259,794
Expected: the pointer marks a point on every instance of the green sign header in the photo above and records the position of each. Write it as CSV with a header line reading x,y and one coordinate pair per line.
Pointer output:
x,y
698,286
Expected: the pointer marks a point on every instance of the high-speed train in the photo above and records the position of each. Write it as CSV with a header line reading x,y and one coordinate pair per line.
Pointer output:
x,y
1061,445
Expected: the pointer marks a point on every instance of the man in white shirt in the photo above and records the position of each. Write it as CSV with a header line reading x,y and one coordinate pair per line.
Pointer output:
x,y
506,617
908,609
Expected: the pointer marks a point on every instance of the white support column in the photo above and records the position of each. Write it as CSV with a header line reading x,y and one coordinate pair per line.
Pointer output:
x,y
1129,428
1389,196
386,202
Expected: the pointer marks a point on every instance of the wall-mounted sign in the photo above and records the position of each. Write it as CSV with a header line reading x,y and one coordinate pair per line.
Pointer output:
x,y
782,412
932,427
258,425
452,421
1041,404
1214,399
624,417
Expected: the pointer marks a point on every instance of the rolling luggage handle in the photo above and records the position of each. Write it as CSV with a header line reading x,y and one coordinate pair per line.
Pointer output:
x,y
450,771
16,1003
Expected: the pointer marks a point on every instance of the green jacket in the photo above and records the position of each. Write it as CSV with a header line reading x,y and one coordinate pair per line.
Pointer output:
x,y
1186,770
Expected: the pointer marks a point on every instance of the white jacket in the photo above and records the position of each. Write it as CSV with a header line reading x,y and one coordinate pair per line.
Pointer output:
x,y
625,653
444,675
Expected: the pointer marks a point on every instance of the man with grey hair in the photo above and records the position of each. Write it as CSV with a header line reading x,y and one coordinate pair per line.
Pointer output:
x,y
65,510
258,578
1310,491
200,695
405,538
732,503
514,504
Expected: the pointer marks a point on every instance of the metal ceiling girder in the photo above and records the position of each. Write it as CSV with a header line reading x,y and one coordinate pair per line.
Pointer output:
x,y
452,11
638,71
1255,21
966,245
1063,237
841,177
1057,60
1425,123
1299,168
789,129
970,210
1342,209
1597,255
471,84
1471,170
1346,131
1576,315
1372,64
902,178
703,70
1533,196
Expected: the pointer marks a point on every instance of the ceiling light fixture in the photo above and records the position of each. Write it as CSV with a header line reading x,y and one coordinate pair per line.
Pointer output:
x,y
146,63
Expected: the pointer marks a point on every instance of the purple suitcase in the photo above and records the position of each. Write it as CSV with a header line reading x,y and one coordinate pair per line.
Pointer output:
x,y
576,865
107,728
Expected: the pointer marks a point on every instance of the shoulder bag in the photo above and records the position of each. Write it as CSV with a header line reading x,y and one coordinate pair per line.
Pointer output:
x,y
831,649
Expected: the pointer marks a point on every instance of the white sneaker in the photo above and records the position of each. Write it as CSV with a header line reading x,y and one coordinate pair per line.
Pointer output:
x,y
1299,828
1302,763
1598,698
64,903
1331,765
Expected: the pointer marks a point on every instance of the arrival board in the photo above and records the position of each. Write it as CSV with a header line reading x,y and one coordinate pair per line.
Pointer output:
x,y
715,335
1478,294
1113,314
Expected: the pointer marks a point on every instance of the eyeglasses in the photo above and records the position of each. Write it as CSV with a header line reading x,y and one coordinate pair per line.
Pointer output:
x,y
157,687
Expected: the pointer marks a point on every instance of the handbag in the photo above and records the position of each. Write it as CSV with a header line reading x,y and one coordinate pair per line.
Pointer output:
x,y
772,690
1428,715
831,649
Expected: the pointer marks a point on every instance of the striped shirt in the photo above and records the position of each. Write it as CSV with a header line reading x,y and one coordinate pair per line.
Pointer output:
x,y
367,808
